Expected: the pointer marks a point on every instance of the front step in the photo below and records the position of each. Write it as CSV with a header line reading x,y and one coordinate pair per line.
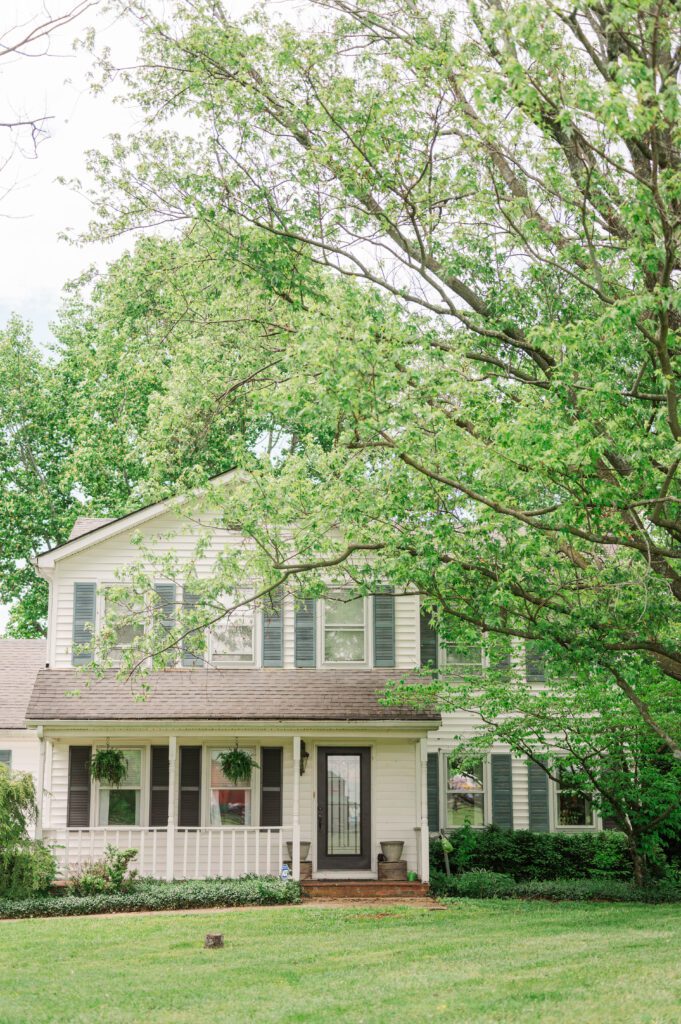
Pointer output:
x,y
362,889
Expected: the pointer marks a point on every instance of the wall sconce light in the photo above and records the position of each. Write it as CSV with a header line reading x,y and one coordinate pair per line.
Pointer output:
x,y
304,755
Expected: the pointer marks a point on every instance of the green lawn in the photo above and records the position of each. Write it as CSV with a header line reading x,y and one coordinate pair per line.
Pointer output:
x,y
493,962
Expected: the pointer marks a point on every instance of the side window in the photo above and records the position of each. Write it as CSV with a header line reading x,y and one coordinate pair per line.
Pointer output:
x,y
465,795
574,807
126,617
464,665
6,759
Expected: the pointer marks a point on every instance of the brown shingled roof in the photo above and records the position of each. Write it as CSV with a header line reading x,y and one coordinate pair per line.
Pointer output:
x,y
19,663
249,694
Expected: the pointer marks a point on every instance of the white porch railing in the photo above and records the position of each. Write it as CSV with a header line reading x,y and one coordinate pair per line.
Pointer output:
x,y
198,852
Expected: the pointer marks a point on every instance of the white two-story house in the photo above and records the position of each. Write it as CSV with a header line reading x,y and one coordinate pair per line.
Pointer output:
x,y
296,685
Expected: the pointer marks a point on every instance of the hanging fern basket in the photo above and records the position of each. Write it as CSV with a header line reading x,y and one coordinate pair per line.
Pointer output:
x,y
109,765
237,764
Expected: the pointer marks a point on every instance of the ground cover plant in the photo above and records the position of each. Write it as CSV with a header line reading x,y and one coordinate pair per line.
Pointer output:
x,y
478,962
149,894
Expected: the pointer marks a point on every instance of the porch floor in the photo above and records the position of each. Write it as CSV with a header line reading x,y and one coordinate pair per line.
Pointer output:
x,y
364,888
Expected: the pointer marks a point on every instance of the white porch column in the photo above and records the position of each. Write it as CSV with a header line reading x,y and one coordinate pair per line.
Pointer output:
x,y
424,834
40,783
172,807
295,866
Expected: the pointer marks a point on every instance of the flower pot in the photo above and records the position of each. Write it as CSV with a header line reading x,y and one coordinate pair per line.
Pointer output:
x,y
304,850
392,851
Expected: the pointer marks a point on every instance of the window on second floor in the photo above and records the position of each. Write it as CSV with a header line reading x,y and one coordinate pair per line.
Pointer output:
x,y
344,628
233,638
464,665
126,615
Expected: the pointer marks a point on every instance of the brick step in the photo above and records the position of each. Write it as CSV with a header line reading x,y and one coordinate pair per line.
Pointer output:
x,y
363,889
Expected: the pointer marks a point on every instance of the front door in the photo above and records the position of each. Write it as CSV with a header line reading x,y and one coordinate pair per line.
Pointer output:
x,y
344,807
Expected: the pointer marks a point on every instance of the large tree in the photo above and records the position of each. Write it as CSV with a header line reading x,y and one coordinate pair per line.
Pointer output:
x,y
506,423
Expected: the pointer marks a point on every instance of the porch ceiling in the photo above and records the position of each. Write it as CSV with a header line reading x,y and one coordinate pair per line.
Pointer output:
x,y
235,694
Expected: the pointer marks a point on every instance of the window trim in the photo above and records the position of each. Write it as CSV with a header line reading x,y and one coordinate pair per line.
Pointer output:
x,y
366,627
444,790
144,789
206,788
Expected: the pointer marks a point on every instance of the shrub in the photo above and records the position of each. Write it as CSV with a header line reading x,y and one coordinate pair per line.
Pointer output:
x,y
490,885
150,894
110,874
536,855
29,868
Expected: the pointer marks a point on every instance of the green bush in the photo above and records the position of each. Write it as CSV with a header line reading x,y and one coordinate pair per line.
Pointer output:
x,y
536,855
490,885
110,874
147,894
27,869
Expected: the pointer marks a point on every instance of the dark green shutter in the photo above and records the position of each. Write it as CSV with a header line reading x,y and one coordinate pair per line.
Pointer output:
x,y
271,779
384,629
166,599
78,807
190,787
273,630
160,777
84,614
190,655
433,780
502,790
429,644
538,798
6,758
305,633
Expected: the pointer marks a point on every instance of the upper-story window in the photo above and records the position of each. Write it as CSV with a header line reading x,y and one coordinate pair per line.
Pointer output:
x,y
233,638
465,664
344,628
534,664
126,616
574,807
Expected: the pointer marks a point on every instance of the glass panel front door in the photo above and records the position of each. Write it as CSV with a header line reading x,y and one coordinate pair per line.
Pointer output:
x,y
343,804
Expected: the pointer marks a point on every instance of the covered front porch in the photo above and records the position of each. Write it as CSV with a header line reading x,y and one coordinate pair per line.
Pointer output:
x,y
339,789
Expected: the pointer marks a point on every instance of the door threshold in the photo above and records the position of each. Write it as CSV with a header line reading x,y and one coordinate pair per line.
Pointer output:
x,y
340,875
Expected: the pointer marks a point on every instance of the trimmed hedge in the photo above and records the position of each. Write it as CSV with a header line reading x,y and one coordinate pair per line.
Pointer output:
x,y
496,885
539,856
154,895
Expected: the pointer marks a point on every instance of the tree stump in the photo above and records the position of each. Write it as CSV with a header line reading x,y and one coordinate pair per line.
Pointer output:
x,y
214,940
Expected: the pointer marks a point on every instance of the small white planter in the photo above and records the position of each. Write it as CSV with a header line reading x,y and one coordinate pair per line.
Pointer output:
x,y
304,851
392,851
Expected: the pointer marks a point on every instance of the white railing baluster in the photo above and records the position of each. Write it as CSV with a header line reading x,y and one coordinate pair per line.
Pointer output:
x,y
233,870
222,852
197,852
184,858
268,860
209,866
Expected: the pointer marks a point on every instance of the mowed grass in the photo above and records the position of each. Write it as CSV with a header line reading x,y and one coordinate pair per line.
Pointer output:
x,y
474,962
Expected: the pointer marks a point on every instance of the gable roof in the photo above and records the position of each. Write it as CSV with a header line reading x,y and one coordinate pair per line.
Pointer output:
x,y
20,661
84,524
102,530
225,695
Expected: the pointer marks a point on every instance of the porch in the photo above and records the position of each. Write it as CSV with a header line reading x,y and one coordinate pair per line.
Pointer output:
x,y
340,791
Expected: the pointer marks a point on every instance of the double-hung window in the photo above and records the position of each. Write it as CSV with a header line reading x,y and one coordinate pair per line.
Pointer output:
x,y
464,665
344,628
465,795
230,800
574,807
126,617
6,759
120,805
233,638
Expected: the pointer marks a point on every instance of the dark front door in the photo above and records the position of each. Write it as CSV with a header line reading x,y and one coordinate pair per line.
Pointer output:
x,y
344,807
